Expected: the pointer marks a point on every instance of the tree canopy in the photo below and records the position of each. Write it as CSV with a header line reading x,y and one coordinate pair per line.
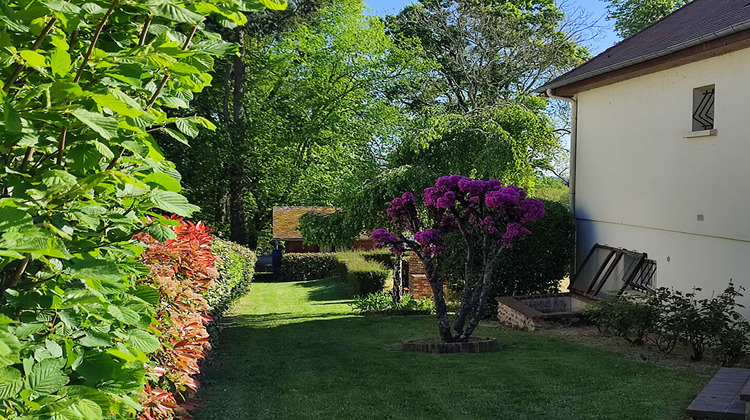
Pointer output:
x,y
631,16
313,114
472,112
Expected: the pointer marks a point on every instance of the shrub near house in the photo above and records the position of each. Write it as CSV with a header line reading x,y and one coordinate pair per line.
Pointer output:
x,y
668,317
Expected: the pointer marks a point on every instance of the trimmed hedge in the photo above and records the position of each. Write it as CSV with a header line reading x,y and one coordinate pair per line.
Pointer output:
x,y
361,270
362,275
380,256
236,266
302,267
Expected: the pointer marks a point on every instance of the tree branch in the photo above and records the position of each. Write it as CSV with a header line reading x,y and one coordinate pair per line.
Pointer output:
x,y
22,64
94,41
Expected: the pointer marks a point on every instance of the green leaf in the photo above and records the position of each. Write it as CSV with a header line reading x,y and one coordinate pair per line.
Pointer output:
x,y
53,348
84,409
60,62
95,270
124,315
104,150
29,328
160,232
109,101
34,241
274,5
64,90
57,180
176,135
121,355
11,383
95,339
9,346
12,218
171,202
12,119
217,47
47,377
104,126
33,58
161,180
143,341
135,147
187,127
173,102
148,294
177,13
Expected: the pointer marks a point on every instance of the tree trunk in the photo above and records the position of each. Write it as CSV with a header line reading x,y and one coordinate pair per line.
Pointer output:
x,y
441,309
398,277
237,222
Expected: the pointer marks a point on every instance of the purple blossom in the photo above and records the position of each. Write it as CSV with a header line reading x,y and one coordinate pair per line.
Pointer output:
x,y
448,183
444,203
383,239
531,210
505,196
512,231
428,237
484,207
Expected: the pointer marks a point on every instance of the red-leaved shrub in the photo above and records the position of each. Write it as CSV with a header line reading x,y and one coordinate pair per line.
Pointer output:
x,y
182,269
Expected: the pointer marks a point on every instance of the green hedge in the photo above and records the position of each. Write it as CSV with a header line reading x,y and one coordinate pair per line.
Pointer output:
x,y
361,270
301,267
535,264
236,266
362,275
381,256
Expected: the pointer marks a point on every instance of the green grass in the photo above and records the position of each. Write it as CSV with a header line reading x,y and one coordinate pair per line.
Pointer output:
x,y
297,351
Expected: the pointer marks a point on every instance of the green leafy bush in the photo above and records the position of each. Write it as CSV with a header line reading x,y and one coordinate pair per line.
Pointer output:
x,y
535,264
84,86
236,266
630,317
363,276
383,302
668,317
373,302
302,267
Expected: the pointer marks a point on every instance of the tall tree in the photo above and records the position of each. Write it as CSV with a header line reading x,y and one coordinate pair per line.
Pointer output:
x,y
471,112
631,16
487,51
311,109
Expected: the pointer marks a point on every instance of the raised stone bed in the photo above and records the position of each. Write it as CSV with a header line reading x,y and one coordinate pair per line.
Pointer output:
x,y
434,345
541,311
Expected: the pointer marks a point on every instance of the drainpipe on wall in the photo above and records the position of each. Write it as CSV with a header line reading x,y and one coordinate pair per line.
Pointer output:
x,y
573,150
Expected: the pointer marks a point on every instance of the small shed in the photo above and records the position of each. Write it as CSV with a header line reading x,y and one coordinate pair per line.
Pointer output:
x,y
286,229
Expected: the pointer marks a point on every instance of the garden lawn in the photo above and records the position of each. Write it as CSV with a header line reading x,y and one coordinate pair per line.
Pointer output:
x,y
297,351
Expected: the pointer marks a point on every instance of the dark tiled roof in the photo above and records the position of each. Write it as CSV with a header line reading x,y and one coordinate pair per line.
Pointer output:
x,y
693,24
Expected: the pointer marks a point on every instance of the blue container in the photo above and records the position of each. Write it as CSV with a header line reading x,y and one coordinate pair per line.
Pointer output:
x,y
276,257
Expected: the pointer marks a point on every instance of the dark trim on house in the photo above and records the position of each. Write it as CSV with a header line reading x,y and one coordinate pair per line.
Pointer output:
x,y
734,42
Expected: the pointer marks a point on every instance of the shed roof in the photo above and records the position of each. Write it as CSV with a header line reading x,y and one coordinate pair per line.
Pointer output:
x,y
286,220
698,22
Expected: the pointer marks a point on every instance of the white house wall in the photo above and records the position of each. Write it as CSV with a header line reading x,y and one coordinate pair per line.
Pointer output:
x,y
642,185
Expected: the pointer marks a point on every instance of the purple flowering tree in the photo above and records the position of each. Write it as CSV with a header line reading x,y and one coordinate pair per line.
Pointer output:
x,y
488,215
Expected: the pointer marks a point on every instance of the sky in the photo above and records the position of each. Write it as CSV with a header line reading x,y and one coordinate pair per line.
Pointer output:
x,y
596,9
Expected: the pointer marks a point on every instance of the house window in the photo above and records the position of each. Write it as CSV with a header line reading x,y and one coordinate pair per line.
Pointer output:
x,y
703,108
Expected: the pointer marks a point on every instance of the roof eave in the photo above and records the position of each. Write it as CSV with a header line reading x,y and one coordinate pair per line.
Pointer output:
x,y
562,81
